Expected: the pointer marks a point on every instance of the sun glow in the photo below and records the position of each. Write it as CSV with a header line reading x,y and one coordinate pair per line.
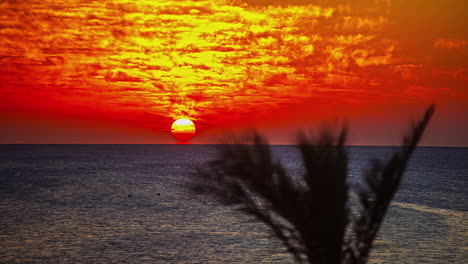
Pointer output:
x,y
175,58
227,63
183,129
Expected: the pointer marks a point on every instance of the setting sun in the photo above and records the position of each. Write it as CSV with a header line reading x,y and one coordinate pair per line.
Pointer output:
x,y
183,129
134,67
125,123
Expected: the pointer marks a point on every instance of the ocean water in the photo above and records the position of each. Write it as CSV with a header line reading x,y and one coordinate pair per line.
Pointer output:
x,y
131,204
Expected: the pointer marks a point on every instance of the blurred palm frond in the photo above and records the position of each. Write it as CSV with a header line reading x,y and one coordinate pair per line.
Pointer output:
x,y
310,218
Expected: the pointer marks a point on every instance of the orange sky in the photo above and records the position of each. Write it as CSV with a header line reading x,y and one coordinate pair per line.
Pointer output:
x,y
121,71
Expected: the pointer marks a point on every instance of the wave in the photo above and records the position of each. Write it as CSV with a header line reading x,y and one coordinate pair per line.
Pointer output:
x,y
428,209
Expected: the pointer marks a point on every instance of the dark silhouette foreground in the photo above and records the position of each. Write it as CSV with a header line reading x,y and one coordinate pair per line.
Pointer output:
x,y
312,219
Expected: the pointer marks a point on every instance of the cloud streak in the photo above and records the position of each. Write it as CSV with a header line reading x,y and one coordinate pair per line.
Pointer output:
x,y
212,61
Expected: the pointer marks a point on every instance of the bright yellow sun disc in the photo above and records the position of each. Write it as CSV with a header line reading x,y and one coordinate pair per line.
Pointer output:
x,y
183,129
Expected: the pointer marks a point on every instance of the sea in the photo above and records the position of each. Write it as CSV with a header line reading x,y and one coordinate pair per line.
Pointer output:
x,y
133,204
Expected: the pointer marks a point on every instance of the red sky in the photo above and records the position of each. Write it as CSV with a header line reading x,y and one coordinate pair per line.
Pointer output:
x,y
121,71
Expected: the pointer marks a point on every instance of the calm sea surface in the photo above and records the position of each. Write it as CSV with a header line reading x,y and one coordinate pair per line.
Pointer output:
x,y
131,204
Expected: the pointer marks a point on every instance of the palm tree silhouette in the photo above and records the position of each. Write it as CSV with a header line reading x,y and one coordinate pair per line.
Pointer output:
x,y
313,218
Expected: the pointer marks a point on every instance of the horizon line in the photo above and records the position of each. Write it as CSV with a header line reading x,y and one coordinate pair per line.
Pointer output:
x,y
215,144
